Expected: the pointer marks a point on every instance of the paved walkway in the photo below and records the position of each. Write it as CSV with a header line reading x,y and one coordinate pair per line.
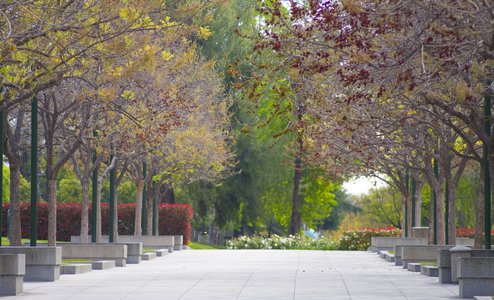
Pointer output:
x,y
248,274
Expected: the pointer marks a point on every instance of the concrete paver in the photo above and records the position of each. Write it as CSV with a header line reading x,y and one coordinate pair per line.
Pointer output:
x,y
248,274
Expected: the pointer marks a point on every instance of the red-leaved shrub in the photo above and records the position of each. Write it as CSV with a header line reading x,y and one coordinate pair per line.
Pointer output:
x,y
174,219
467,232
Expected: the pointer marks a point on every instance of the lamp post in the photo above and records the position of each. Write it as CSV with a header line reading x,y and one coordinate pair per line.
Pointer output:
x,y
34,172
487,175
144,223
436,173
113,174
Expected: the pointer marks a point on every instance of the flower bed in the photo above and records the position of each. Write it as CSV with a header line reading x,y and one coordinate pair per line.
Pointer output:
x,y
467,232
278,242
360,239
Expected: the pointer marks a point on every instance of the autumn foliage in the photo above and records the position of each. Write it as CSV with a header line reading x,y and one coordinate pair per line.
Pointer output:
x,y
174,219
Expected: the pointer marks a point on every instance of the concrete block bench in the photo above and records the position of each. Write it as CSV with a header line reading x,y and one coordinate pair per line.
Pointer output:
x,y
448,261
42,263
465,241
161,252
103,251
431,271
389,257
12,271
388,243
444,265
476,276
76,268
149,256
413,267
134,252
103,264
148,241
418,253
421,232
179,243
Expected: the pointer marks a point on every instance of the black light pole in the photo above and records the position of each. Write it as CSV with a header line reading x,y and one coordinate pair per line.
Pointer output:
x,y
94,198
406,203
487,174
34,172
436,173
414,190
144,223
113,174
1,172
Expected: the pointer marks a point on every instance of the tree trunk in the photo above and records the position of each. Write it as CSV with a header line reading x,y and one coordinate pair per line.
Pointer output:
x,y
452,216
431,218
138,211
52,212
85,212
15,212
167,191
296,218
419,184
441,237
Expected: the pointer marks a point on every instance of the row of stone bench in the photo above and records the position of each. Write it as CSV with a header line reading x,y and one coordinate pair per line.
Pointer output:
x,y
472,269
44,263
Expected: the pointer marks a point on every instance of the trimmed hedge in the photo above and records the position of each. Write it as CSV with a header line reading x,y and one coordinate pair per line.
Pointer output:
x,y
174,219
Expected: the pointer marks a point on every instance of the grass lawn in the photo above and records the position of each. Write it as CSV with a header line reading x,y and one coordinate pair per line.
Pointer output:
x,y
428,263
6,242
201,246
75,260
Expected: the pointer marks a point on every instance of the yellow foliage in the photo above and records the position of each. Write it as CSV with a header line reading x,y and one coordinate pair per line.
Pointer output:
x,y
462,91
166,55
351,6
360,57
203,33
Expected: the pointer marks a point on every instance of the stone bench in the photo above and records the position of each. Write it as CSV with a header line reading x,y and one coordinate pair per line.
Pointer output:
x,y
42,263
103,264
179,243
149,256
414,267
444,265
148,241
103,251
418,253
389,257
448,261
476,276
134,252
388,243
161,252
76,268
12,271
431,271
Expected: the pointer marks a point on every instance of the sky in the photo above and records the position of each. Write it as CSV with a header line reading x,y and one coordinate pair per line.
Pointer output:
x,y
362,185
